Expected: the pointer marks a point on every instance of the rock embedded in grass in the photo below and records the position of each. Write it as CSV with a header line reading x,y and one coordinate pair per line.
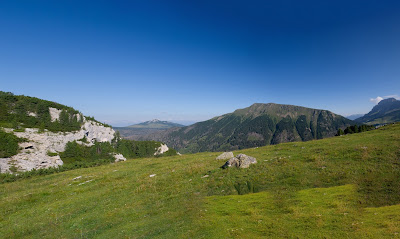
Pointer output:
x,y
225,155
240,161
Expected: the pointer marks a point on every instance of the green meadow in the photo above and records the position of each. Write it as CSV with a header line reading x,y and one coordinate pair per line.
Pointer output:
x,y
341,187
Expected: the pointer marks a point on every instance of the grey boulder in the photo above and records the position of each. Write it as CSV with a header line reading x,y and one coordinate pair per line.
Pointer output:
x,y
226,155
240,161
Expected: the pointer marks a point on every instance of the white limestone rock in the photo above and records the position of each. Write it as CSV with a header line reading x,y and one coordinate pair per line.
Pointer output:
x,y
34,154
32,114
162,149
54,114
119,157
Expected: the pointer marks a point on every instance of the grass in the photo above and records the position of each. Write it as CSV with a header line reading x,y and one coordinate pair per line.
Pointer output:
x,y
342,187
312,213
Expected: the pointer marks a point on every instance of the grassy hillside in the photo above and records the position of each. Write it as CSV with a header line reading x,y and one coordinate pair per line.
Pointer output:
x,y
254,126
341,187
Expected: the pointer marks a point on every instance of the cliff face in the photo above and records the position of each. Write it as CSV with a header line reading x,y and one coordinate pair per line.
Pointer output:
x,y
41,148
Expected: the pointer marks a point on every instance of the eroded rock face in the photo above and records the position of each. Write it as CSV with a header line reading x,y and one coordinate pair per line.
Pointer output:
x,y
38,152
225,155
240,161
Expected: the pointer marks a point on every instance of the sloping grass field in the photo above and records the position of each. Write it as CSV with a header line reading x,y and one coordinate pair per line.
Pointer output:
x,y
341,187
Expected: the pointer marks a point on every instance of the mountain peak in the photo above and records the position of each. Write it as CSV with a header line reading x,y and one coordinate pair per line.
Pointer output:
x,y
388,100
154,121
257,125
386,111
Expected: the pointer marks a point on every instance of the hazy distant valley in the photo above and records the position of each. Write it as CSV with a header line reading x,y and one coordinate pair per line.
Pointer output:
x,y
137,131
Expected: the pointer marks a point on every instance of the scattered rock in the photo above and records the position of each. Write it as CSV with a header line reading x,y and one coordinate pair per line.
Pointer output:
x,y
152,175
119,157
162,149
240,161
32,114
77,178
205,176
85,182
231,162
226,155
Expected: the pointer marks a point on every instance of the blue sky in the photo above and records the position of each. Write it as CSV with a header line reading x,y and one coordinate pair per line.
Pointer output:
x,y
126,62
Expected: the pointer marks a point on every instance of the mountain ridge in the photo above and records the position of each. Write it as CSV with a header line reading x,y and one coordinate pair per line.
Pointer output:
x,y
154,124
257,125
386,111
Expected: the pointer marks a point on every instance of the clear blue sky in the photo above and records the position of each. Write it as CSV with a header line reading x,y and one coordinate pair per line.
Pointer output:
x,y
125,62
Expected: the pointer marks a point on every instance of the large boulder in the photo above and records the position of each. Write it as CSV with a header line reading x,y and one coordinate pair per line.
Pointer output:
x,y
240,161
225,155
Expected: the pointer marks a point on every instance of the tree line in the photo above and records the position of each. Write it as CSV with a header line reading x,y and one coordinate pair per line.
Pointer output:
x,y
355,129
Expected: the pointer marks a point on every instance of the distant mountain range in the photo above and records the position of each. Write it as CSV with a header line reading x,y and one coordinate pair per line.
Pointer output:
x,y
155,124
257,125
386,111
355,116
136,131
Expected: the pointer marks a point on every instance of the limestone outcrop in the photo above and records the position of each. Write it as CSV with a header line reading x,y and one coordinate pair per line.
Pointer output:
x,y
40,150
162,149
119,158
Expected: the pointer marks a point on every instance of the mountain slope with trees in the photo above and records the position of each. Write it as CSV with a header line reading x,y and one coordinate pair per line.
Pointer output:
x,y
37,134
386,111
254,126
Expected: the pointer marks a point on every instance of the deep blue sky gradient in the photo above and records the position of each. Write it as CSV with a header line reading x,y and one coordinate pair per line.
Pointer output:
x,y
129,61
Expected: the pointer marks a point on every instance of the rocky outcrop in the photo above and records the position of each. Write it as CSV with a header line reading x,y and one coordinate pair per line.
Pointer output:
x,y
162,149
54,114
240,161
225,155
41,149
119,158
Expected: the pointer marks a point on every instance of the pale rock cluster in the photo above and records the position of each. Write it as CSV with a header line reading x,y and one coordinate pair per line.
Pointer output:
x,y
119,157
54,114
35,152
162,149
240,161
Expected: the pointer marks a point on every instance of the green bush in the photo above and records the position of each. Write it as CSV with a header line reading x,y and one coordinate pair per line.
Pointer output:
x,y
8,144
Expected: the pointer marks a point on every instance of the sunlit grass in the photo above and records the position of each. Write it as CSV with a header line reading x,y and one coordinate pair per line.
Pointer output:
x,y
343,187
